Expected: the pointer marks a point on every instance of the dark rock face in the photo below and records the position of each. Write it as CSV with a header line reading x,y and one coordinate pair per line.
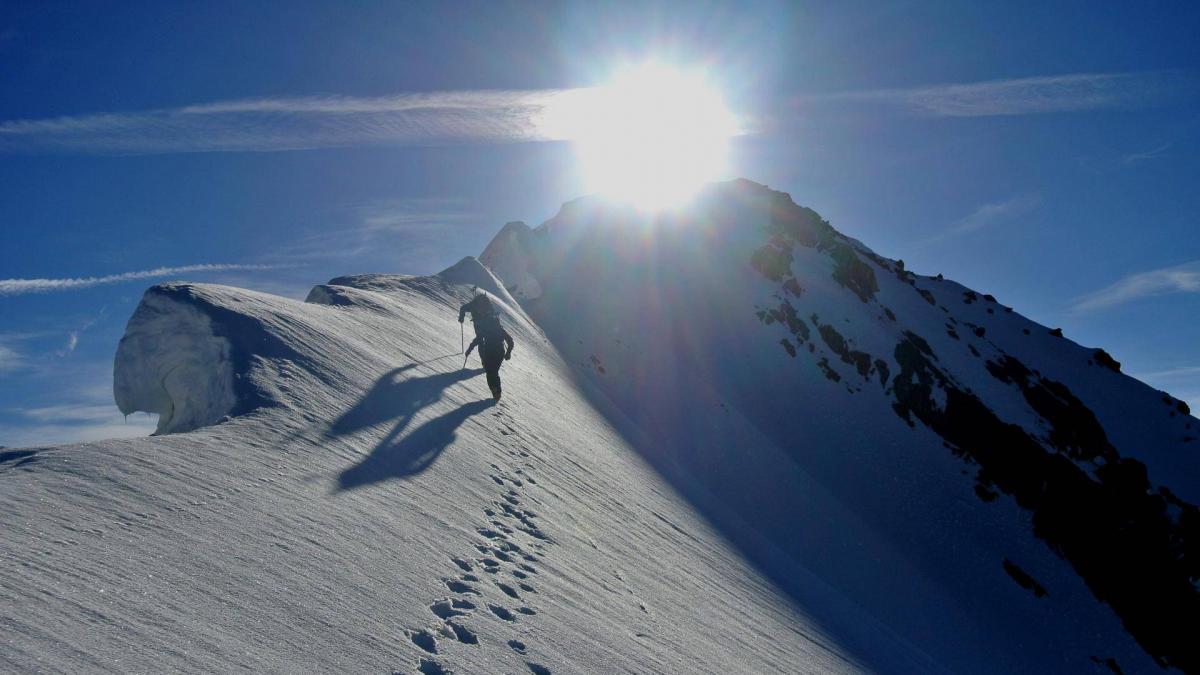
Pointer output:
x,y
788,347
1024,579
853,273
786,315
1092,507
1135,545
834,340
1137,548
773,260
791,225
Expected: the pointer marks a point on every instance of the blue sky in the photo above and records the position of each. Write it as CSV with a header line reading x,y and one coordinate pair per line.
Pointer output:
x,y
1042,152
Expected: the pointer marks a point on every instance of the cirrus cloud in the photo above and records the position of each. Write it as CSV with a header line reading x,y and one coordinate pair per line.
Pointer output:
x,y
295,123
24,286
1017,96
1183,278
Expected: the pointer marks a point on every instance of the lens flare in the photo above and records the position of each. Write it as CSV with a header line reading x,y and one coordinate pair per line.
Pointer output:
x,y
651,138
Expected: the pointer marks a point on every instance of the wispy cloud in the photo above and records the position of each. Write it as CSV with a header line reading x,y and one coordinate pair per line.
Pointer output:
x,y
78,412
13,355
24,286
1021,96
1171,373
986,215
73,335
399,233
72,341
1183,278
57,433
69,404
1153,153
10,359
276,124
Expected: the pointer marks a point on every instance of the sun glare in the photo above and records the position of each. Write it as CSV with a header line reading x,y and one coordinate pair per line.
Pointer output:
x,y
652,137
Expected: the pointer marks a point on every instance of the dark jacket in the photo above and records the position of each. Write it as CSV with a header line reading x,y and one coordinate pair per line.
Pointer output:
x,y
489,334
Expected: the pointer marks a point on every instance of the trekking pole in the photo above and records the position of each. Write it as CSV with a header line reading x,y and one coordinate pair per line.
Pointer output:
x,y
462,338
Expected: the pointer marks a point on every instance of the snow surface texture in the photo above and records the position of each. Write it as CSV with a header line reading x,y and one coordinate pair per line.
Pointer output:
x,y
979,483
365,507
743,443
170,362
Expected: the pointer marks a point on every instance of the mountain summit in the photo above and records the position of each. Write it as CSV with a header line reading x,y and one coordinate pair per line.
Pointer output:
x,y
732,440
745,327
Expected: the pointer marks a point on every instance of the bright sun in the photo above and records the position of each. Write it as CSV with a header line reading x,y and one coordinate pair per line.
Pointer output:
x,y
652,137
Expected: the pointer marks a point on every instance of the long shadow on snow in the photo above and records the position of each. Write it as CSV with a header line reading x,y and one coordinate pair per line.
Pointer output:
x,y
399,398
19,457
412,454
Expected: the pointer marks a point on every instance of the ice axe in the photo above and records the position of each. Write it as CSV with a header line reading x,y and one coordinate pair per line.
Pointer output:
x,y
462,333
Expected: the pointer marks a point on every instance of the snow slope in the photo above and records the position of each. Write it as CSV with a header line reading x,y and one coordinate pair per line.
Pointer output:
x,y
347,499
732,440
993,492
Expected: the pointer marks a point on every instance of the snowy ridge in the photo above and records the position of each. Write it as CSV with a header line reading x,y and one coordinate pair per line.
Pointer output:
x,y
504,256
366,508
732,440
943,420
170,362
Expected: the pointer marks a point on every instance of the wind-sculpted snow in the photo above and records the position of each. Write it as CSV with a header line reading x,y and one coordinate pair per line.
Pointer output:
x,y
1045,501
171,363
351,500
504,257
744,442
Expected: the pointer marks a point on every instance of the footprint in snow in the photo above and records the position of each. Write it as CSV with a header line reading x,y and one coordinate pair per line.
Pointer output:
x,y
457,586
537,669
448,609
462,634
424,639
502,613
431,667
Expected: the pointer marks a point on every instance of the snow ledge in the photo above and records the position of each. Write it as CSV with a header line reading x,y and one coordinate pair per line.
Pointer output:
x,y
171,362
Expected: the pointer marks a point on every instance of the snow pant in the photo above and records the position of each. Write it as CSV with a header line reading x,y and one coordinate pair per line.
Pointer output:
x,y
492,356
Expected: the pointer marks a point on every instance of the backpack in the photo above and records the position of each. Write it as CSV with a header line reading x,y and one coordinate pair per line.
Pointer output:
x,y
486,320
487,327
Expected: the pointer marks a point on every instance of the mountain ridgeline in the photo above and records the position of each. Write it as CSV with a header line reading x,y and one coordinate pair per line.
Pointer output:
x,y
731,439
899,393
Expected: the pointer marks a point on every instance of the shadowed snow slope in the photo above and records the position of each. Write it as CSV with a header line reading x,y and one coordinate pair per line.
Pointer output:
x,y
732,440
989,490
349,500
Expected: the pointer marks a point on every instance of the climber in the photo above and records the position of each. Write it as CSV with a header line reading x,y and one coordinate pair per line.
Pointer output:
x,y
490,337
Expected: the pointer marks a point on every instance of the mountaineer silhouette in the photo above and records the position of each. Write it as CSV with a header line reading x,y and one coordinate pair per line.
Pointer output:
x,y
490,337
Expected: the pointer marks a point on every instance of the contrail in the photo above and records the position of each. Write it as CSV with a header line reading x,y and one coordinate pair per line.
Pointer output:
x,y
24,286
297,123
1021,96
